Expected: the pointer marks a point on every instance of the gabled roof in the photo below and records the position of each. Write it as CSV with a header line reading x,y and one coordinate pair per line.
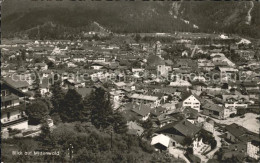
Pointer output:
x,y
242,133
184,126
206,104
187,94
16,82
144,97
40,64
142,109
161,139
84,91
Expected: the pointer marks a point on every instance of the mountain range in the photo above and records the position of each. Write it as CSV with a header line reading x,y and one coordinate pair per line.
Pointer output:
x,y
62,19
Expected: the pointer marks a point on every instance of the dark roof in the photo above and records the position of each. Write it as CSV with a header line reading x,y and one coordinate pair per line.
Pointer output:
x,y
241,133
9,97
184,126
191,113
206,104
16,82
142,109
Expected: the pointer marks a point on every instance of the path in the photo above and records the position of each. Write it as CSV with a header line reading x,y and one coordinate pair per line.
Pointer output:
x,y
177,153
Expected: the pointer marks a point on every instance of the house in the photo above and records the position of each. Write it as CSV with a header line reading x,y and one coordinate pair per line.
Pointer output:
x,y
236,100
161,142
44,86
46,73
12,109
227,73
190,100
211,109
134,128
208,125
191,114
253,149
18,81
71,64
179,131
237,150
84,91
145,99
180,83
163,70
120,85
246,54
41,66
236,133
221,58
158,48
79,59
97,66
142,111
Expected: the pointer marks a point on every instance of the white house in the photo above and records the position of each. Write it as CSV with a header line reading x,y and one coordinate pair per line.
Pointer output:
x,y
138,98
42,66
161,141
163,70
191,101
253,149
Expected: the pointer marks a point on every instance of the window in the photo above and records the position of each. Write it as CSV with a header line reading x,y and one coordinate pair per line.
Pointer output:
x,y
8,115
3,93
7,103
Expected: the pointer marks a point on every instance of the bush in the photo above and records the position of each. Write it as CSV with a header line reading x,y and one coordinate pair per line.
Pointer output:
x,y
213,144
232,115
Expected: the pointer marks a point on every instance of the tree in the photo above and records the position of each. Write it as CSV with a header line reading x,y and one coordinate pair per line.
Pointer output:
x,y
137,37
71,106
57,95
101,110
45,133
148,124
36,86
37,111
86,111
119,123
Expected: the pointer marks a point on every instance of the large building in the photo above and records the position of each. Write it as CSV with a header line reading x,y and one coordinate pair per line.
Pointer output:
x,y
12,109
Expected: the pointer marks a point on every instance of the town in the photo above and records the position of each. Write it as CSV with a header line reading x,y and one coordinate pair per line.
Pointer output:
x,y
177,97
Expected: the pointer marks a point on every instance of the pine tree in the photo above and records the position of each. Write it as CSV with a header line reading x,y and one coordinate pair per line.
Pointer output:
x,y
71,107
36,86
119,123
37,111
57,96
45,133
101,109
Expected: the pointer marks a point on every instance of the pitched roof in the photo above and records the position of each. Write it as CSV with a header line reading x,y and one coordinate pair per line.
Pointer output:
x,y
142,109
144,97
206,104
184,126
16,82
161,139
84,91
40,64
241,133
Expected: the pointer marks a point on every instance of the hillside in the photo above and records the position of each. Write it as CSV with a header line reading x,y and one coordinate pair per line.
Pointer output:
x,y
28,17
